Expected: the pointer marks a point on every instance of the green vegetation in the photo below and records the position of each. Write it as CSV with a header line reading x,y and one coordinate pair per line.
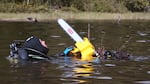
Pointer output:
x,y
74,9
110,6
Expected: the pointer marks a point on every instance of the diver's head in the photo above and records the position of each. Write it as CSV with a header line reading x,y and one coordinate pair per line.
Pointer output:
x,y
37,44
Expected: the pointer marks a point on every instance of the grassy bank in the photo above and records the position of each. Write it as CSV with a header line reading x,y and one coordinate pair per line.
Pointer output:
x,y
70,15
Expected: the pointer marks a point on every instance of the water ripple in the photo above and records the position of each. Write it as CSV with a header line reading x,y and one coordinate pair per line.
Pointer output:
x,y
148,72
142,82
105,78
73,81
55,36
141,41
110,65
60,44
142,33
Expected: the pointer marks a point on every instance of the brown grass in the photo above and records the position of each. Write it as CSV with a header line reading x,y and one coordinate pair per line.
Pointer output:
x,y
71,15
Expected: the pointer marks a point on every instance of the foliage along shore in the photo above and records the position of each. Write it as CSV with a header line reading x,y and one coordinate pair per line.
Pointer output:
x,y
75,16
43,10
109,6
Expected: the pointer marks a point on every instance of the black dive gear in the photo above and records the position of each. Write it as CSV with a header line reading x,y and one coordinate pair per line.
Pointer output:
x,y
34,43
28,50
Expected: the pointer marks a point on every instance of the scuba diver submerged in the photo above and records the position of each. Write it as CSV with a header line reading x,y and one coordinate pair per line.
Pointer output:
x,y
32,48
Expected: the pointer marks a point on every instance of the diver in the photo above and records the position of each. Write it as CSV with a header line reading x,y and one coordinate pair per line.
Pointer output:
x,y
32,48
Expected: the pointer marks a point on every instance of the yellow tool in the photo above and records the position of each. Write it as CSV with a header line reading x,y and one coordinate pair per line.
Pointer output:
x,y
85,48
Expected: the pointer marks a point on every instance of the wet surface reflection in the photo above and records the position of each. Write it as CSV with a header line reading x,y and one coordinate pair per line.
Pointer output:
x,y
129,36
77,71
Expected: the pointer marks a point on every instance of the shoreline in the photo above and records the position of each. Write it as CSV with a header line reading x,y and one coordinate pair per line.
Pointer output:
x,y
73,16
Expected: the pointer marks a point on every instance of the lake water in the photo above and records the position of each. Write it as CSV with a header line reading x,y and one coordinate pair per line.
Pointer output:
x,y
132,36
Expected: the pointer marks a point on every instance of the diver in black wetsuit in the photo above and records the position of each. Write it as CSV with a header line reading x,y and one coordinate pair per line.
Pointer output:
x,y
32,48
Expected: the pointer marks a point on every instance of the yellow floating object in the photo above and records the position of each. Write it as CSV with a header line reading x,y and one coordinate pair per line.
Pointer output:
x,y
85,48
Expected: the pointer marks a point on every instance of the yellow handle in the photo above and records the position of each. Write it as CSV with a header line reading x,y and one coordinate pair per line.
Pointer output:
x,y
86,49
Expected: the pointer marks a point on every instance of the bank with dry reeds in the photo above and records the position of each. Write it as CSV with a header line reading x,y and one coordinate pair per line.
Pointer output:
x,y
72,15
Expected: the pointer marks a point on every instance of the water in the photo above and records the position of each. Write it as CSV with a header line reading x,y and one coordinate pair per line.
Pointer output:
x,y
131,36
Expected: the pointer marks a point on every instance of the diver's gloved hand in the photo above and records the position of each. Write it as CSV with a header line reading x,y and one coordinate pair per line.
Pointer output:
x,y
68,49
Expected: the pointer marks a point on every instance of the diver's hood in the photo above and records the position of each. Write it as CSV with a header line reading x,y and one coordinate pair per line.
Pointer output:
x,y
34,43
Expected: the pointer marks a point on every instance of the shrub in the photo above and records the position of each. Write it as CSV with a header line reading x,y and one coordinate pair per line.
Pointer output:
x,y
137,5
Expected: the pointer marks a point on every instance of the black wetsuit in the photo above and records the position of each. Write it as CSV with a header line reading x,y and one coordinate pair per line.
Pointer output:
x,y
18,51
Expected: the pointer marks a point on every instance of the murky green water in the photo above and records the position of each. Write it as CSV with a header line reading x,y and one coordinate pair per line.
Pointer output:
x,y
132,36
